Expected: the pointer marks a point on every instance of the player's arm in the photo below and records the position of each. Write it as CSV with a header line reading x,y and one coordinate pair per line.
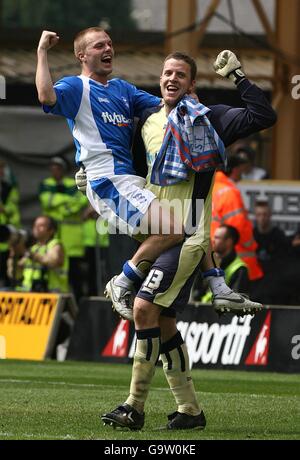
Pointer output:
x,y
142,100
43,80
233,123
139,152
141,160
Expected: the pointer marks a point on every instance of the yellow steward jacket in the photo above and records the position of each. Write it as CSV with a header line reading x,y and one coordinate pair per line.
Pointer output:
x,y
64,203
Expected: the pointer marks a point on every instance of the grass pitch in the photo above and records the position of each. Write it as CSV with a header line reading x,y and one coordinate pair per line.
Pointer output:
x,y
53,400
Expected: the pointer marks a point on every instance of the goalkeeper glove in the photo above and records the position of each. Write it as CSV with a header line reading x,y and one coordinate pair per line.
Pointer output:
x,y
227,65
81,180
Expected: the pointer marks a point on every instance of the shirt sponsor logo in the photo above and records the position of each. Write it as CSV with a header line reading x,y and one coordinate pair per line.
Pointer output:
x,y
116,119
104,99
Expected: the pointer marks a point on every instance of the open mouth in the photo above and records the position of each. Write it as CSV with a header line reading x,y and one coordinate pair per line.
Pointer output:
x,y
107,59
172,89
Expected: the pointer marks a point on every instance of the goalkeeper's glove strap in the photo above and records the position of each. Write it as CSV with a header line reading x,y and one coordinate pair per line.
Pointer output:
x,y
237,76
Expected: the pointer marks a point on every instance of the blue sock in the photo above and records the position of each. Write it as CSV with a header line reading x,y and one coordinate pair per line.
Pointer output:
x,y
130,276
213,272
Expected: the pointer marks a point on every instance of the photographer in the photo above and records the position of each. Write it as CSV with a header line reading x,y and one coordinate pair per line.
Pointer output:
x,y
42,268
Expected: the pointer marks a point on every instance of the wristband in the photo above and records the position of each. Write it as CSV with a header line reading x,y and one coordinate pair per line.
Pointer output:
x,y
237,76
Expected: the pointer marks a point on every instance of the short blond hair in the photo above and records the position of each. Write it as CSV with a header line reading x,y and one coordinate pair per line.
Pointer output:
x,y
80,39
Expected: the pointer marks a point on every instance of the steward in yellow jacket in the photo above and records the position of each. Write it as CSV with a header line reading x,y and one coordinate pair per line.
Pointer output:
x,y
9,214
44,267
61,200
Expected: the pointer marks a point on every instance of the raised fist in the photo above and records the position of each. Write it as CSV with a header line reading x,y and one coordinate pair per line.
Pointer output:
x,y
48,40
227,65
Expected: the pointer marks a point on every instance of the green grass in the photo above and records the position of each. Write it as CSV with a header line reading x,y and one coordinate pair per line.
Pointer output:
x,y
52,400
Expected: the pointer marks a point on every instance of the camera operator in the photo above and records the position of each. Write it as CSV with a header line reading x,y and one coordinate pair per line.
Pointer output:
x,y
42,268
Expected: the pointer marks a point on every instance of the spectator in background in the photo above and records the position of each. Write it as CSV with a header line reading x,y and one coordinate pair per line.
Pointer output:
x,y
61,200
225,239
9,214
228,208
251,172
42,268
294,267
272,242
273,253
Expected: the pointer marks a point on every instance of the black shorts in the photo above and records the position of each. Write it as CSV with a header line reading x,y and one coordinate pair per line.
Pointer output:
x,y
171,277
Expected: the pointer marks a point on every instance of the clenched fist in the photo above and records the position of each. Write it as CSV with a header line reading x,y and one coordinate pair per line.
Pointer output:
x,y
48,40
227,65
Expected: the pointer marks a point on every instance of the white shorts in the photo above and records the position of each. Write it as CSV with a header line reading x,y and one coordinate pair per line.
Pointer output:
x,y
121,200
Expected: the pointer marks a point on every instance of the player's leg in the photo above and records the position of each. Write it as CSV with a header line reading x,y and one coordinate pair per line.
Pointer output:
x,y
163,231
130,208
119,289
146,318
130,414
168,283
224,298
168,232
174,356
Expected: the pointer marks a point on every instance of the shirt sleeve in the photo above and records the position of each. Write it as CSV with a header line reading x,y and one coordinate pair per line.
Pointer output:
x,y
139,152
143,100
69,94
233,123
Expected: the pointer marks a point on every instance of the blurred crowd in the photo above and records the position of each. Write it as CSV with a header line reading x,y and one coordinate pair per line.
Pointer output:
x,y
63,252
257,257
